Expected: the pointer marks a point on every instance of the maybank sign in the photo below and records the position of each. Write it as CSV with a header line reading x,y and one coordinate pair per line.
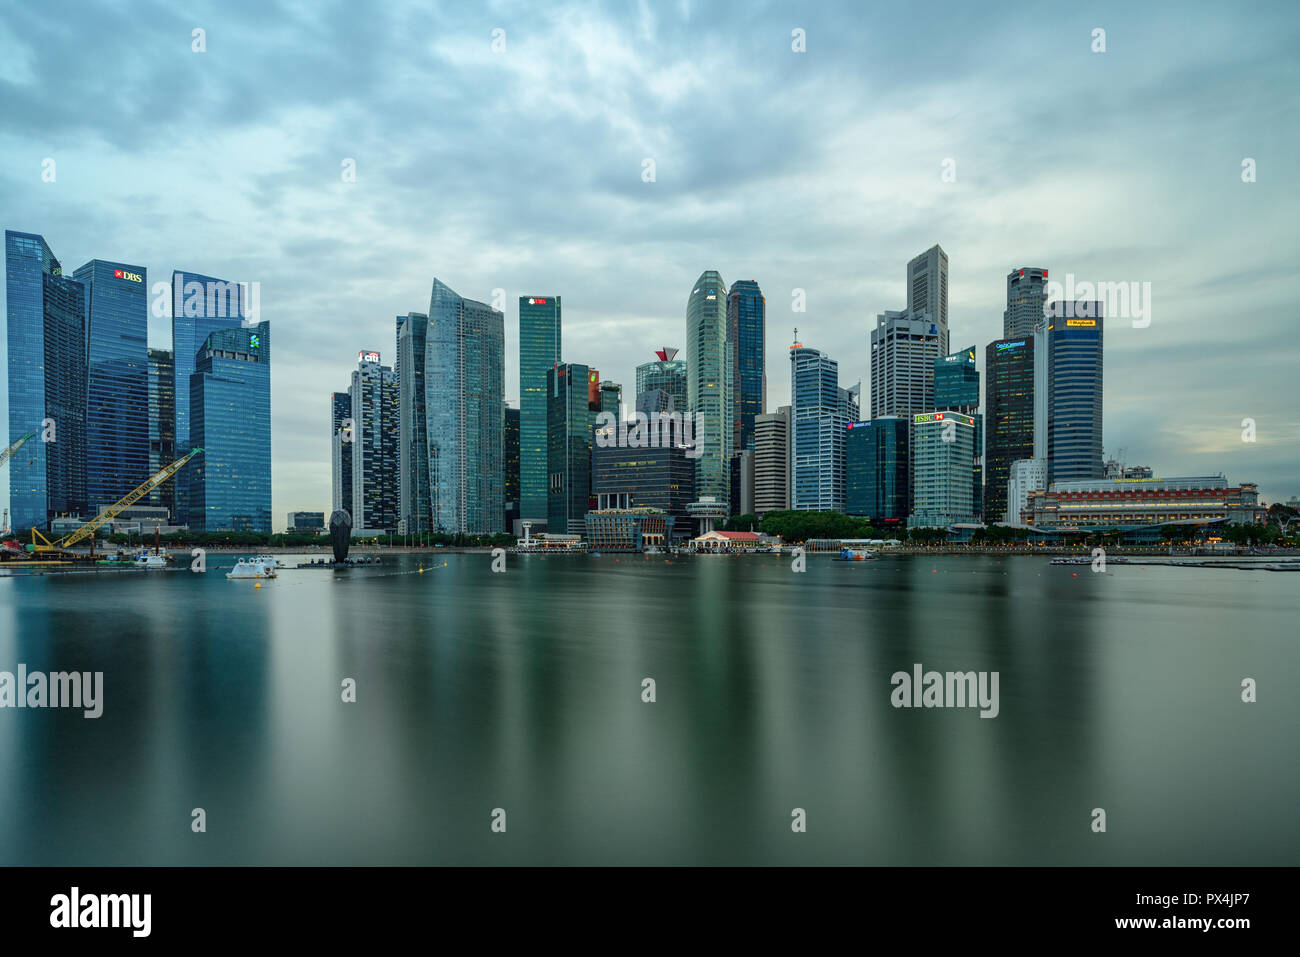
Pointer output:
x,y
1081,323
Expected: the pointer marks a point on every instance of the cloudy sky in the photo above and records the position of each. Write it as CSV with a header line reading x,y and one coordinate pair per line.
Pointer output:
x,y
521,169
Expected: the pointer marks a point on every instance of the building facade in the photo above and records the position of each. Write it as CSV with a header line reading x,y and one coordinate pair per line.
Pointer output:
x,y
666,374
957,389
162,426
1101,503
1074,451
942,450
341,435
230,419
877,469
772,461
539,352
709,386
413,510
512,467
927,291
660,478
820,414
1026,297
1026,476
1009,403
903,351
746,338
572,402
376,431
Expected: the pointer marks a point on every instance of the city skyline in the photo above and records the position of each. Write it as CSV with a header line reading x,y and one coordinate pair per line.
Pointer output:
x,y
810,200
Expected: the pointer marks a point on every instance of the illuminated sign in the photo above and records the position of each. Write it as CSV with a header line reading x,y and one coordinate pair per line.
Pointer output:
x,y
367,356
536,302
123,274
1086,323
927,417
1010,345
254,342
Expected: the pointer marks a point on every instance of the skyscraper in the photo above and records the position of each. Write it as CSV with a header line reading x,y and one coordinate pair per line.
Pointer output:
x,y
117,381
927,290
1026,295
341,436
412,431
1074,383
957,389
667,374
464,413
708,361
903,350
162,425
1009,404
230,419
611,399
539,351
746,338
942,451
201,305
376,433
512,467
820,415
877,471
572,401
46,329
772,461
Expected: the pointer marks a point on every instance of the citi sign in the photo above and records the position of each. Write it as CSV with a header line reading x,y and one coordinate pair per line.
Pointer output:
x,y
123,274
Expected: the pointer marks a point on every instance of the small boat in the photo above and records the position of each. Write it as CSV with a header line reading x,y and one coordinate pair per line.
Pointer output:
x,y
270,561
246,569
148,559
855,555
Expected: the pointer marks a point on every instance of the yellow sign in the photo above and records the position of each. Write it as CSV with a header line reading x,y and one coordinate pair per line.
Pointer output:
x,y
1080,322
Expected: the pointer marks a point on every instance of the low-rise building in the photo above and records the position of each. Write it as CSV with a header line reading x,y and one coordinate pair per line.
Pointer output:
x,y
628,530
1102,503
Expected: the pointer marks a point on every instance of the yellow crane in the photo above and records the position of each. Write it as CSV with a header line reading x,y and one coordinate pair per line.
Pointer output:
x,y
107,515
7,454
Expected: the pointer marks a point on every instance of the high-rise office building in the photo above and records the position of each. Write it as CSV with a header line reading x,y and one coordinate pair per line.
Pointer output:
x,y
413,512
611,399
820,414
1026,296
46,331
1026,476
376,431
201,305
512,467
660,477
708,360
1074,384
667,374
230,419
746,339
903,350
877,470
572,401
539,351
342,434
742,482
942,451
464,394
927,290
957,388
162,425
772,461
1009,415
117,380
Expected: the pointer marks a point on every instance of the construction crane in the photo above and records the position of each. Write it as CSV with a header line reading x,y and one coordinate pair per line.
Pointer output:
x,y
88,529
7,454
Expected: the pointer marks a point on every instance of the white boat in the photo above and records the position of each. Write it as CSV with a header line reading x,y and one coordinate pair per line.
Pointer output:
x,y
248,569
270,561
148,559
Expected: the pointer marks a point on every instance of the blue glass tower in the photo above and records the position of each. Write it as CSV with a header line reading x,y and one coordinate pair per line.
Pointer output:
x,y
45,321
117,383
877,472
230,419
820,414
539,351
413,434
201,305
1074,389
746,333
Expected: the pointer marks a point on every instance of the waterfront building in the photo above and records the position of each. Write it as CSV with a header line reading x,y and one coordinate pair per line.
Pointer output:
x,y
942,450
712,541
627,530
666,373
746,337
306,521
611,399
772,461
413,508
45,317
661,478
1025,476
230,419
1009,366
709,385
1026,297
742,482
539,352
464,380
341,435
1075,385
1099,504
572,401
375,398
512,468
877,470
162,425
820,414
117,379
904,348
957,389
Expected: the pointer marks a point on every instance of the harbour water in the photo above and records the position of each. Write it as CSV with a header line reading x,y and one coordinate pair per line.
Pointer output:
x,y
523,691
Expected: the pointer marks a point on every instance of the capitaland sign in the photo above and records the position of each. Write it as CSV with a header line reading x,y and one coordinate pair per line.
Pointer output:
x,y
1010,345
129,276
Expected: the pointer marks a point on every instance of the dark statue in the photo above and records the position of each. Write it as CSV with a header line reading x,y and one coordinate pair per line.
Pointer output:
x,y
340,534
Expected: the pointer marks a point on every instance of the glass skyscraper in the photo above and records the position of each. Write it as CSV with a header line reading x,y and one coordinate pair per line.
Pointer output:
x,y
666,374
709,386
162,425
341,452
117,383
820,415
1074,386
374,447
46,330
903,350
746,336
230,419
1009,409
539,351
464,401
957,389
572,401
201,305
413,433
877,472
512,467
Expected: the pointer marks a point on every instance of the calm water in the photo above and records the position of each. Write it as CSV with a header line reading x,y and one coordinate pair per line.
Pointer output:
x,y
522,691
